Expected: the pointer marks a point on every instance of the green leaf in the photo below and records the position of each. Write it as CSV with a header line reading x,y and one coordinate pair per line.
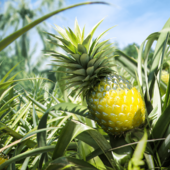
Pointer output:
x,y
62,32
104,146
77,78
41,106
91,62
80,72
38,131
76,57
98,55
86,79
101,35
149,160
25,163
34,116
91,33
128,63
63,57
140,63
84,59
72,37
136,160
87,138
66,162
83,150
98,63
16,135
146,55
33,152
7,74
98,70
167,93
82,36
157,102
90,70
161,124
140,149
158,53
21,113
3,95
108,52
7,103
69,107
93,154
81,48
98,47
65,42
73,129
163,150
5,42
87,41
77,31
121,155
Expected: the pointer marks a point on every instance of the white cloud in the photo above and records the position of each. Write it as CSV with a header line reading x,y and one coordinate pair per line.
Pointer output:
x,y
133,26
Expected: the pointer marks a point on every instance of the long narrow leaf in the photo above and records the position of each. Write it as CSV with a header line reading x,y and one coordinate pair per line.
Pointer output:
x,y
164,149
157,53
27,154
73,129
16,135
5,42
69,163
161,124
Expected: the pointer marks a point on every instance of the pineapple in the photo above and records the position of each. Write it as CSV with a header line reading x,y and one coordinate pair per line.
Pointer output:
x,y
111,99
3,158
165,76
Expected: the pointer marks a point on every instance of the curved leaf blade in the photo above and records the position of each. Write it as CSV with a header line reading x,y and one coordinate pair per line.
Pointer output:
x,y
6,41
27,154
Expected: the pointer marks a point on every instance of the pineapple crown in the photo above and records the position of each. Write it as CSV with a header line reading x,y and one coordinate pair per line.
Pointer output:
x,y
87,60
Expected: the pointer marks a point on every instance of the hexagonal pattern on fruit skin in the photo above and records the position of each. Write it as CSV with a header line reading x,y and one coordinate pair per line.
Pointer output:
x,y
118,106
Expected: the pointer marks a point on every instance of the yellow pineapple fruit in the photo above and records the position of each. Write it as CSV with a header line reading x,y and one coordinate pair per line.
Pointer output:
x,y
3,158
116,105
111,99
165,76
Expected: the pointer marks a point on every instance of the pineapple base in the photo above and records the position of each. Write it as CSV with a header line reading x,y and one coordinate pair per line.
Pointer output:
x,y
116,106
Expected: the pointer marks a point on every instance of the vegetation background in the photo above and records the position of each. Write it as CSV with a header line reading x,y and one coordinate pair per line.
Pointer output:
x,y
42,128
29,50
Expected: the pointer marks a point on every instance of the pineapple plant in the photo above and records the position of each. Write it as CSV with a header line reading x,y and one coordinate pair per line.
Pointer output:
x,y
87,151
113,102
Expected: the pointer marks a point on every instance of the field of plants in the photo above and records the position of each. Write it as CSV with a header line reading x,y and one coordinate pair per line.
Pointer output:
x,y
96,108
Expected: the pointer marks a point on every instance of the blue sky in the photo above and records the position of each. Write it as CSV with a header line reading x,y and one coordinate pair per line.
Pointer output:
x,y
135,19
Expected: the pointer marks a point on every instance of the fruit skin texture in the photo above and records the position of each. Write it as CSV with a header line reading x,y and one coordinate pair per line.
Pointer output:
x,y
115,105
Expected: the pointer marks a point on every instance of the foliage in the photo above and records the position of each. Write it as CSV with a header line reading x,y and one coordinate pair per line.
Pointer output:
x,y
46,130
19,14
131,50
